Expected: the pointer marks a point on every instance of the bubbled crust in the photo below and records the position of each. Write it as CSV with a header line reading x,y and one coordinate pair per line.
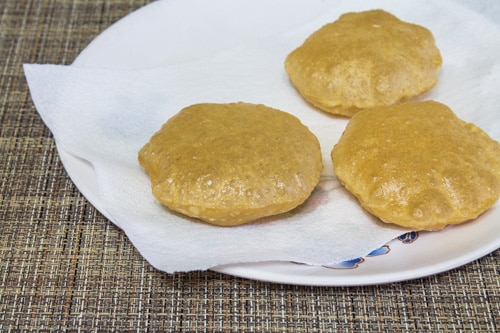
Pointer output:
x,y
418,165
229,164
363,60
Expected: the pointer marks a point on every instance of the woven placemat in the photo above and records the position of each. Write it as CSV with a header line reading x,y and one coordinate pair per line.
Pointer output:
x,y
65,267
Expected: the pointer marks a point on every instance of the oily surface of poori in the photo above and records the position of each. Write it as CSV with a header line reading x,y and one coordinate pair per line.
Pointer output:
x,y
362,60
229,164
418,165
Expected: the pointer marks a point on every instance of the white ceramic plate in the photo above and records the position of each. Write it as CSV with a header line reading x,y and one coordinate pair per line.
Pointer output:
x,y
162,33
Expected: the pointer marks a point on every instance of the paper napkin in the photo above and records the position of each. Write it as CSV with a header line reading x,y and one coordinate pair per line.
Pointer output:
x,y
106,116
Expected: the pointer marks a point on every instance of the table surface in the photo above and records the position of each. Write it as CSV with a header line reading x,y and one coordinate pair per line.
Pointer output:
x,y
65,267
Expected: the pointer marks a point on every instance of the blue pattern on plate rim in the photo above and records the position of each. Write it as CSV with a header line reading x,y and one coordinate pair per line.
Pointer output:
x,y
407,238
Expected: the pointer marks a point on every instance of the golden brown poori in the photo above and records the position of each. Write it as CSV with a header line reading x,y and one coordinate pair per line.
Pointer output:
x,y
364,59
418,165
229,164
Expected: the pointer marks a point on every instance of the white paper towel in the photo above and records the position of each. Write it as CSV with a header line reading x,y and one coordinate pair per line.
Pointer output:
x,y
105,116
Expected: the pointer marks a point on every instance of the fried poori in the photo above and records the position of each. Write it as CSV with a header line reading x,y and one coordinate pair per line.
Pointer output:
x,y
229,164
362,60
418,165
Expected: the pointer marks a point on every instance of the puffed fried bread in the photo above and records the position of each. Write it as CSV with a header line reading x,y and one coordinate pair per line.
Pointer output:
x,y
362,60
229,164
418,165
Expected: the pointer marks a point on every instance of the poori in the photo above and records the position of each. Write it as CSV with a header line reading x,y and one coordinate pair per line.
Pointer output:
x,y
229,164
364,59
418,165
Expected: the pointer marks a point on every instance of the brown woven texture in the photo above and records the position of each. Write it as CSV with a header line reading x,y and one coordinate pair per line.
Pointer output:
x,y
65,267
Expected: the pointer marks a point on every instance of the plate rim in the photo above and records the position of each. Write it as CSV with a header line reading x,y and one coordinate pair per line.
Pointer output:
x,y
249,270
